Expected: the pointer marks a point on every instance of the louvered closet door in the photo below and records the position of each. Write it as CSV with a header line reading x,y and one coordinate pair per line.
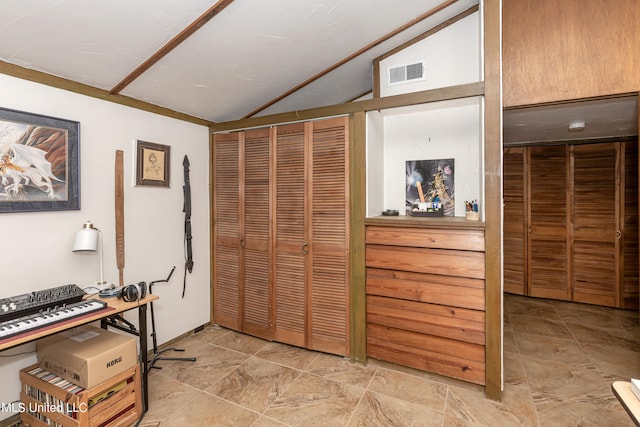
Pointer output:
x,y
629,293
255,242
329,291
548,267
226,231
595,224
289,316
514,221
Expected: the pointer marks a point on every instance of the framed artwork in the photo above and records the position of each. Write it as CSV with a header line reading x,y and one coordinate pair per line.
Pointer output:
x,y
39,162
431,179
152,164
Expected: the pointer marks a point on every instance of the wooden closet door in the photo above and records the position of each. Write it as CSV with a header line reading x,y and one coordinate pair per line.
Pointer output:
x,y
515,221
596,223
291,245
226,230
255,243
329,291
548,242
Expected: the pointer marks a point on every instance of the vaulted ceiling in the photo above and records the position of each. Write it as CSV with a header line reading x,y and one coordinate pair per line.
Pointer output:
x,y
215,61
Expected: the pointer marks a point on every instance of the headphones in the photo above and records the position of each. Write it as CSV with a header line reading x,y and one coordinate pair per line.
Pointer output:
x,y
131,293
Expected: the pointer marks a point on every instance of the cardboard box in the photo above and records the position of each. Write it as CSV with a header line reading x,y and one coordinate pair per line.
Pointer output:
x,y
86,355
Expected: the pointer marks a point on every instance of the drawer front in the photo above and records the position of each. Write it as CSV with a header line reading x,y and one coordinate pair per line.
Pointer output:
x,y
465,240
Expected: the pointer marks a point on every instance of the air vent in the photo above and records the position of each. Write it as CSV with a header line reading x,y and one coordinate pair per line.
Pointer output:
x,y
405,73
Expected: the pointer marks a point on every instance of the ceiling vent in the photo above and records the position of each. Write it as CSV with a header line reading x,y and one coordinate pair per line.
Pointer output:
x,y
405,73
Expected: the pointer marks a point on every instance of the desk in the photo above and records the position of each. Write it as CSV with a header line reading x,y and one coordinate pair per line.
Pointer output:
x,y
114,306
629,401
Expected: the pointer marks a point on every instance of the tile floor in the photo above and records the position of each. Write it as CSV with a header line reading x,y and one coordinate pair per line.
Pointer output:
x,y
559,360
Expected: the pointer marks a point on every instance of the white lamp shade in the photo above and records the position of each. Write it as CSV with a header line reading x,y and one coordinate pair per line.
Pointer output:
x,y
86,240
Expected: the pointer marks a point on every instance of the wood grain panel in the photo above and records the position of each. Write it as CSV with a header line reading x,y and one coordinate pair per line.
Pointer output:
x,y
557,50
290,299
469,240
421,260
256,309
329,290
226,302
631,268
289,316
515,221
226,219
444,356
430,288
226,209
596,173
548,218
432,319
256,220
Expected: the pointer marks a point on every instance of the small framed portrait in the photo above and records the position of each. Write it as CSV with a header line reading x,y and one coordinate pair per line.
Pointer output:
x,y
152,164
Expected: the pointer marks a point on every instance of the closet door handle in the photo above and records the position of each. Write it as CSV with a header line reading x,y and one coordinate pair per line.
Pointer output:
x,y
305,248
618,234
242,243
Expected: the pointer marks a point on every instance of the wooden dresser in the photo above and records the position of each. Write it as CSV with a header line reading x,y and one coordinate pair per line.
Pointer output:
x,y
425,291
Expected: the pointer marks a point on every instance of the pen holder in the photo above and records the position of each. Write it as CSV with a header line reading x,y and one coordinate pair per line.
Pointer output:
x,y
472,216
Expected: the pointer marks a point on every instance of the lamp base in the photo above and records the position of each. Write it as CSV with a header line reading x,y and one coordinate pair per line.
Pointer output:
x,y
102,286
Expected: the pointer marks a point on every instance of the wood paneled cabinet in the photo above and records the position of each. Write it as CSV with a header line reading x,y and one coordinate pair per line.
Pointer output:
x,y
425,290
281,238
571,223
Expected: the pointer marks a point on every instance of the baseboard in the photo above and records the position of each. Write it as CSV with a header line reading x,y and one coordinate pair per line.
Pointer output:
x,y
170,343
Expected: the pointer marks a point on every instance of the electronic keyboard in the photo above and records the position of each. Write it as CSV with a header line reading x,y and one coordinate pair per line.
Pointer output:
x,y
33,302
49,317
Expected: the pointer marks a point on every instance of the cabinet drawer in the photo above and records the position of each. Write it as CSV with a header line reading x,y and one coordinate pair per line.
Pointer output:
x,y
449,238
425,260
431,288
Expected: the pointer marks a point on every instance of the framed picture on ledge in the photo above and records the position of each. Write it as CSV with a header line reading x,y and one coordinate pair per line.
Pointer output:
x,y
39,163
152,164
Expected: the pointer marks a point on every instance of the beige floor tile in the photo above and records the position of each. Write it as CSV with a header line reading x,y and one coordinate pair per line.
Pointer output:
x,y
410,388
240,342
570,414
560,361
255,384
561,350
314,401
466,408
287,355
341,369
208,411
379,410
211,365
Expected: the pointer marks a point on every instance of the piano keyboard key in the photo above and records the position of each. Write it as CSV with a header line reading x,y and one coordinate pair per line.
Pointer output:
x,y
38,320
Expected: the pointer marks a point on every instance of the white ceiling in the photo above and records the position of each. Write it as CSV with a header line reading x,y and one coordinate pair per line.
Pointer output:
x,y
247,55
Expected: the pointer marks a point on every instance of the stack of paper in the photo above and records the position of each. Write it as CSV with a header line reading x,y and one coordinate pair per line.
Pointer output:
x,y
635,387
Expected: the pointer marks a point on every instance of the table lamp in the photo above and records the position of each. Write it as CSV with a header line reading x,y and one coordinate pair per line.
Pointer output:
x,y
86,240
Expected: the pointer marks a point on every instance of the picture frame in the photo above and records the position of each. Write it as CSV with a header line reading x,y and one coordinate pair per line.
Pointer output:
x,y
39,162
435,178
152,164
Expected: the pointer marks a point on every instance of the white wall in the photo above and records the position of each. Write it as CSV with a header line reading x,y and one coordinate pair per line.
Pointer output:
x,y
452,56
439,130
36,250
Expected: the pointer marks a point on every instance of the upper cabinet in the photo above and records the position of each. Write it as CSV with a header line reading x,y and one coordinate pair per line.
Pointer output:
x,y
557,50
